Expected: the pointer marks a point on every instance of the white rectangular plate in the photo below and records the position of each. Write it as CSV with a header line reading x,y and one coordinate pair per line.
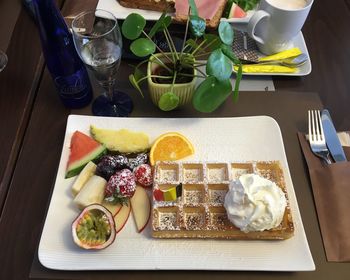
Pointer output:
x,y
214,139
121,12
304,70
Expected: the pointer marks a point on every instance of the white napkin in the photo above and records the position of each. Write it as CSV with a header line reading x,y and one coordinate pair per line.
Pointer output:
x,y
344,138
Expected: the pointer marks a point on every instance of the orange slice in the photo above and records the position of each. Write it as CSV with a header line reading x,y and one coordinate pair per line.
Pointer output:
x,y
170,146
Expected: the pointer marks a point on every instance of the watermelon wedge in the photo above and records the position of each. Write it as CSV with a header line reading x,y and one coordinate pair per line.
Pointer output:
x,y
236,12
82,150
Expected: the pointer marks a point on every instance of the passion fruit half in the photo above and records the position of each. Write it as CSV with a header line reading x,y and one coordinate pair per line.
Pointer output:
x,y
94,228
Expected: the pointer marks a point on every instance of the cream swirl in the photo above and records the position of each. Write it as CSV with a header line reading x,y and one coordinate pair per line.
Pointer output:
x,y
254,203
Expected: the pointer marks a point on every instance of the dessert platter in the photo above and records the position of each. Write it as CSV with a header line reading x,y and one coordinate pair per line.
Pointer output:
x,y
187,194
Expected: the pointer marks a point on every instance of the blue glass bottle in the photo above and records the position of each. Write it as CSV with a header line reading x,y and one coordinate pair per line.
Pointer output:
x,y
67,70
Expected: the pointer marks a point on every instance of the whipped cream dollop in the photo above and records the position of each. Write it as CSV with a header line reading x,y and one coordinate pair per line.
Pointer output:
x,y
254,203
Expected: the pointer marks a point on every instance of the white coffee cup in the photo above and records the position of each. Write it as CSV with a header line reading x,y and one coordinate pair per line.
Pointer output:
x,y
276,22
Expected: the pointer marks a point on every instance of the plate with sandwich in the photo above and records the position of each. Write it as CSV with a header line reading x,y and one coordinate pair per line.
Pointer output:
x,y
212,11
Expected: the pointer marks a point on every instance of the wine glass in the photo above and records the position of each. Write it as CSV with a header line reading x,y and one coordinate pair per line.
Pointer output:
x,y
98,42
3,60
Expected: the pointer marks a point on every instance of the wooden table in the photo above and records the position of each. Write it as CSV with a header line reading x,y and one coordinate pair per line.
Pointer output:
x,y
33,122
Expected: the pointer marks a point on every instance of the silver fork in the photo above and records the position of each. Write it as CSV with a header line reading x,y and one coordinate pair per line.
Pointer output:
x,y
316,136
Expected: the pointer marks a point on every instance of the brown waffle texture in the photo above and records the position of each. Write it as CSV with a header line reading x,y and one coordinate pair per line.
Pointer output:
x,y
198,212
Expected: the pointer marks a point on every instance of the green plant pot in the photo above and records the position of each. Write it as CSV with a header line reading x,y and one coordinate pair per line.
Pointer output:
x,y
184,91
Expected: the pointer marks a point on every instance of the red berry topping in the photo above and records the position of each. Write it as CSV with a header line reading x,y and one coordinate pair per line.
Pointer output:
x,y
143,175
120,186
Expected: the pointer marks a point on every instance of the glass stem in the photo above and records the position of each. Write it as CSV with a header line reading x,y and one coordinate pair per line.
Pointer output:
x,y
108,89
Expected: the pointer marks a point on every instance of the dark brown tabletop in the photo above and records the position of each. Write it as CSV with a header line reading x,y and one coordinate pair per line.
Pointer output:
x,y
32,123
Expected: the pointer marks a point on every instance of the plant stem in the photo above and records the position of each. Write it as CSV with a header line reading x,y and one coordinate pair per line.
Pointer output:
x,y
172,50
199,64
172,42
210,43
172,84
158,48
199,46
186,31
154,76
191,66
161,63
202,54
191,75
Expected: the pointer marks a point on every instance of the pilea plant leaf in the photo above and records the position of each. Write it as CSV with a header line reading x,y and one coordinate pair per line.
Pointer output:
x,y
142,47
226,32
138,74
194,10
134,83
168,101
133,26
226,50
164,20
191,43
166,23
210,94
219,65
197,26
213,41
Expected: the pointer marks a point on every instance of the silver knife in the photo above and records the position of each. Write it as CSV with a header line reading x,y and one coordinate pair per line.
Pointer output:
x,y
332,139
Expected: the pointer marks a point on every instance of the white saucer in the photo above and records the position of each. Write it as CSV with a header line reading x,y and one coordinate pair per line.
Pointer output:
x,y
303,70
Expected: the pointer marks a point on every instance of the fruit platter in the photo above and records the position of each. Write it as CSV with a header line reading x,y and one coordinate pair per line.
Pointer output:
x,y
119,181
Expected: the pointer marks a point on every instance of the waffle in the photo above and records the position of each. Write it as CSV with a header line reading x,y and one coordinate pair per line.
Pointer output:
x,y
198,211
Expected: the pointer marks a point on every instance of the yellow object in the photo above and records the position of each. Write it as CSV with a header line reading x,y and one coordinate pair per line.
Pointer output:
x,y
256,68
282,55
170,146
170,195
123,140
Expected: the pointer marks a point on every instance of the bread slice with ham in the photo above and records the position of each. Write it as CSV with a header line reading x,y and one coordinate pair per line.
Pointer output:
x,y
210,10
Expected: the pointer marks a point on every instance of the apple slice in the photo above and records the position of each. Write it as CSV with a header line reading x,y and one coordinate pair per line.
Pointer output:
x,y
141,208
113,208
122,217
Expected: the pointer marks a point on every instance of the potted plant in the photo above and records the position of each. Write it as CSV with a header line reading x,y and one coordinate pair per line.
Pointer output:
x,y
172,75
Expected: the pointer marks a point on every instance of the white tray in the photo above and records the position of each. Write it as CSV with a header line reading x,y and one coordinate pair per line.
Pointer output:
x,y
221,139
121,12
303,70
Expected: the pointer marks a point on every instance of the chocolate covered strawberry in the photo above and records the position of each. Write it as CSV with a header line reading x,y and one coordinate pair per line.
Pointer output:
x,y
143,174
120,186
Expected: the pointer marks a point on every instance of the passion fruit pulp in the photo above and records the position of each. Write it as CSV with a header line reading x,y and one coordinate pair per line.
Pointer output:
x,y
94,228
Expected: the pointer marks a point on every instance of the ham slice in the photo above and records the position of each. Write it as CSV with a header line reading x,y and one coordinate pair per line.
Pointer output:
x,y
206,8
